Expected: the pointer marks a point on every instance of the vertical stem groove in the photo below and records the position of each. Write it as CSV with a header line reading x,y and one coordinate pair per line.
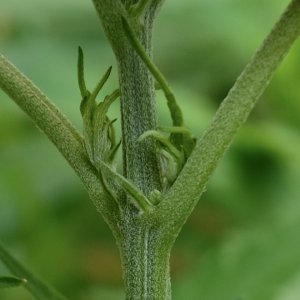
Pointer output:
x,y
145,263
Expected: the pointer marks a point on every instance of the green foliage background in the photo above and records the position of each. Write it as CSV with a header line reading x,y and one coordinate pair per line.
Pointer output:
x,y
243,241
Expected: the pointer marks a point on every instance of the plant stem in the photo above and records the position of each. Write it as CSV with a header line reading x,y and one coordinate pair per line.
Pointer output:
x,y
141,164
145,259
138,116
61,133
145,263
233,112
145,256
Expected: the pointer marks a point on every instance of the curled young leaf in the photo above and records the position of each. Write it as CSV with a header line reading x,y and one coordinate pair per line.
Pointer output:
x,y
98,130
80,73
115,182
172,157
101,145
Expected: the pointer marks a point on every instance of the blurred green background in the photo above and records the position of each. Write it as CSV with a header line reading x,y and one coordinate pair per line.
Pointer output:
x,y
242,242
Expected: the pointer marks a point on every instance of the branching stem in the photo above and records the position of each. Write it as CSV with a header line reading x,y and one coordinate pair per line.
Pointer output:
x,y
145,239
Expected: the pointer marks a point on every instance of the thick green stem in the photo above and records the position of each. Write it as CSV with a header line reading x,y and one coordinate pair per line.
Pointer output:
x,y
141,163
145,261
145,256
138,116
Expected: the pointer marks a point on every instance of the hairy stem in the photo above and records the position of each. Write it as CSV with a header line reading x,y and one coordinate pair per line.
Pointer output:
x,y
145,262
138,116
137,89
232,113
59,130
145,257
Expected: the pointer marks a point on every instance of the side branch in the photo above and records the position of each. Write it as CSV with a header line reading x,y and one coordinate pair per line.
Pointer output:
x,y
233,112
57,128
39,108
